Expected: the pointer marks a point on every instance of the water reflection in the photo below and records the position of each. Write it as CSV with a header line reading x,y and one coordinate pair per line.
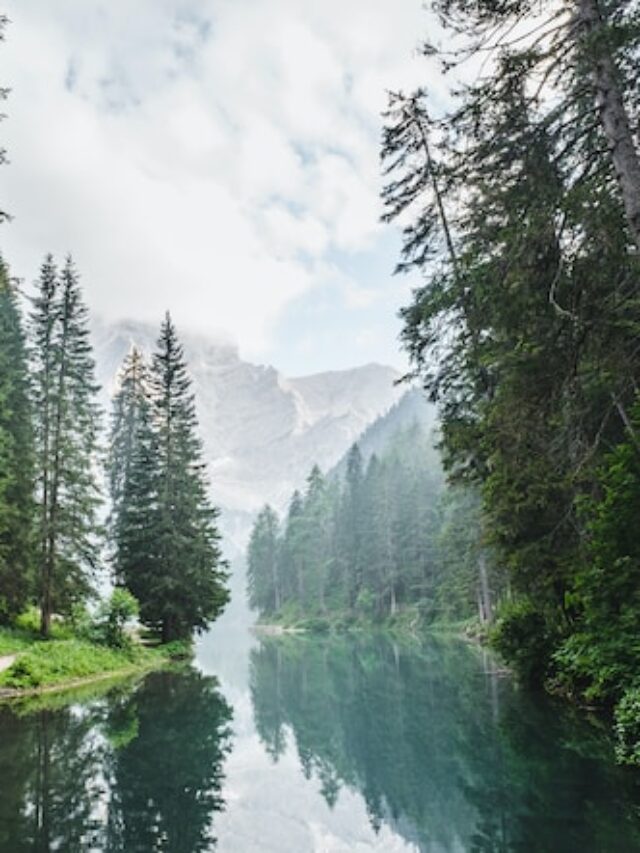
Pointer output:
x,y
443,751
136,770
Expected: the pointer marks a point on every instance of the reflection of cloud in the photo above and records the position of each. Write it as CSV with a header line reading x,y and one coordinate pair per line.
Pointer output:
x,y
204,155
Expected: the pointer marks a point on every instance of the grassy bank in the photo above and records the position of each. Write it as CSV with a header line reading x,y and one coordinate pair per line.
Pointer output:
x,y
66,660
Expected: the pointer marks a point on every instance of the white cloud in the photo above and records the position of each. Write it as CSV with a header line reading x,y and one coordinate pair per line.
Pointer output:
x,y
209,156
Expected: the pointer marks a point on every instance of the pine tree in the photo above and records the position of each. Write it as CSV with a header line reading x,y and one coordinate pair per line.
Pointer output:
x,y
317,535
264,581
292,556
525,329
67,423
128,447
16,458
187,589
43,321
351,524
135,519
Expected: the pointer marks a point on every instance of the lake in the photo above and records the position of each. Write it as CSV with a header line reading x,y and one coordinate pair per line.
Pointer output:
x,y
354,743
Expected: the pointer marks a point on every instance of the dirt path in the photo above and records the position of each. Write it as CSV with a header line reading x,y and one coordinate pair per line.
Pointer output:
x,y
6,661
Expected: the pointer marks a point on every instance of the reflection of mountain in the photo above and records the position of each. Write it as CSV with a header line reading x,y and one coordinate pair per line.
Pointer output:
x,y
133,771
262,431
445,755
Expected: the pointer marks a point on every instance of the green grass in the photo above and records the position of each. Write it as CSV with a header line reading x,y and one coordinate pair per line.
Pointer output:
x,y
59,661
14,640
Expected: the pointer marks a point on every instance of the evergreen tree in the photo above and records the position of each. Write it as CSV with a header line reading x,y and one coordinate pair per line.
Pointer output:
x,y
187,589
525,328
130,457
16,458
67,422
292,550
395,557
264,584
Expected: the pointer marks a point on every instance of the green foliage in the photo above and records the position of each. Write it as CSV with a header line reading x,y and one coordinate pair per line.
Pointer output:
x,y
525,327
163,528
178,650
114,615
522,636
17,472
627,727
602,658
59,661
12,640
66,428
368,546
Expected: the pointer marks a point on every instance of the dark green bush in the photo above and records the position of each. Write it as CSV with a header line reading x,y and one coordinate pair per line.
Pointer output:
x,y
627,725
522,637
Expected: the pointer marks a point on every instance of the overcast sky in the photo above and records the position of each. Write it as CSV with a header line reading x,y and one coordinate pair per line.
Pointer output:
x,y
216,157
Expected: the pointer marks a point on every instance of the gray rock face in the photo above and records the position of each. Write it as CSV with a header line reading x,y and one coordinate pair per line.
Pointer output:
x,y
262,431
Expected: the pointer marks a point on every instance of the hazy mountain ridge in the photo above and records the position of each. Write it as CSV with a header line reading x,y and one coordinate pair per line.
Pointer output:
x,y
262,431
412,407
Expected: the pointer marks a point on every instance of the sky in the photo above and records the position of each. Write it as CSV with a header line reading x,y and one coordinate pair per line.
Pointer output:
x,y
218,158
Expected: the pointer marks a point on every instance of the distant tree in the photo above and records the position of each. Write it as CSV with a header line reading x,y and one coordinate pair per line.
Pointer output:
x,y
264,584
350,529
130,458
292,555
17,471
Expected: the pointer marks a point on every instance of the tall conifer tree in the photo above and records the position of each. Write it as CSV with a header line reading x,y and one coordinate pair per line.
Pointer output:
x,y
188,588
131,458
67,422
16,457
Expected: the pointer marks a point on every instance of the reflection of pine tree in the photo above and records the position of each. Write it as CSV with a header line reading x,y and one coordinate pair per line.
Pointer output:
x,y
442,754
134,771
50,781
167,779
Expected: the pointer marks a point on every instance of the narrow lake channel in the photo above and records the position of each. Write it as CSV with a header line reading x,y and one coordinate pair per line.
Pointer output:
x,y
298,744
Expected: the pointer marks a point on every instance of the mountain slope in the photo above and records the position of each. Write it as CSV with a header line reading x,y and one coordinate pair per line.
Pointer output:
x,y
412,407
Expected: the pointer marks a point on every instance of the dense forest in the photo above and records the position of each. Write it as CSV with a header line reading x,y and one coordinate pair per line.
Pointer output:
x,y
162,529
383,541
520,208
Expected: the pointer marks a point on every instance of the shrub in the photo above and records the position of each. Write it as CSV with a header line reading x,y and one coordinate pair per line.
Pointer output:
x,y
522,637
113,617
627,727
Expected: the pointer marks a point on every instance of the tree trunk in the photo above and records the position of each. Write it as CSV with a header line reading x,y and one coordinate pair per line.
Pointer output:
x,y
613,114
52,529
484,590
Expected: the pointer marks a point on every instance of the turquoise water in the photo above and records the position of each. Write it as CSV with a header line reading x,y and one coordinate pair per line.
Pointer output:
x,y
295,744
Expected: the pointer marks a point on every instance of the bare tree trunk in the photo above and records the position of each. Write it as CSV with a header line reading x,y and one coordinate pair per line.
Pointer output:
x,y
485,592
613,114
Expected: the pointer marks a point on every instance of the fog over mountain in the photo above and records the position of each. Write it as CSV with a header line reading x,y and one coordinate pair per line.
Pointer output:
x,y
262,431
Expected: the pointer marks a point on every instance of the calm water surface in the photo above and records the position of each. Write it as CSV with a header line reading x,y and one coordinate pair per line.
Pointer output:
x,y
297,744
